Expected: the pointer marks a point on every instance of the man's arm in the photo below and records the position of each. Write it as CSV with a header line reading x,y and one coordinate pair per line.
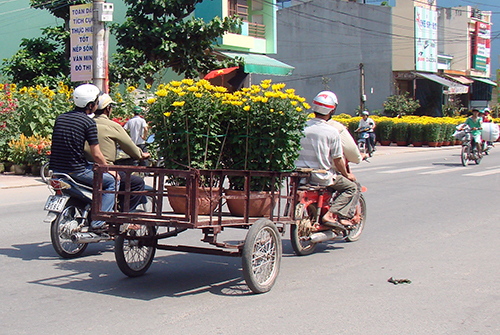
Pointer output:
x,y
340,166
145,134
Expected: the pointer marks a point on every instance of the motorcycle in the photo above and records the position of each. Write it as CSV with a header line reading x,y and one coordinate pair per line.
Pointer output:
x,y
469,149
308,231
69,211
364,145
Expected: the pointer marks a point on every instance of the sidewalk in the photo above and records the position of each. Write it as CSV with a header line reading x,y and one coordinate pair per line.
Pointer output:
x,y
15,181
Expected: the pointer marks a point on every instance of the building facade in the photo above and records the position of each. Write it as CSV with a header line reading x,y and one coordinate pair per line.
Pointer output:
x,y
341,46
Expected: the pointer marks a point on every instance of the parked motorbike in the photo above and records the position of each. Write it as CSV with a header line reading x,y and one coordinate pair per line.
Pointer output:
x,y
364,142
69,211
308,230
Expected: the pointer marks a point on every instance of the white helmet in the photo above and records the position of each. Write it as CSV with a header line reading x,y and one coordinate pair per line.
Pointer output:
x,y
84,94
324,102
104,101
365,113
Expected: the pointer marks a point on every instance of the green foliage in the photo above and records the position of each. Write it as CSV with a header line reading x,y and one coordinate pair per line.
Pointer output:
x,y
197,125
432,132
160,34
40,61
383,130
400,105
400,131
416,131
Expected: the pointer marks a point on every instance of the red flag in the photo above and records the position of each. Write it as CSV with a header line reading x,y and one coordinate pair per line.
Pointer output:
x,y
220,72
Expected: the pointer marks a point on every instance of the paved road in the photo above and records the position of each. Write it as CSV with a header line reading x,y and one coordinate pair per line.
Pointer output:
x,y
430,221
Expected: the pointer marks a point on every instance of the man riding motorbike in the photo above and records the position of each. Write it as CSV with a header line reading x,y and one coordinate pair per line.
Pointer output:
x,y
366,124
71,130
322,150
110,135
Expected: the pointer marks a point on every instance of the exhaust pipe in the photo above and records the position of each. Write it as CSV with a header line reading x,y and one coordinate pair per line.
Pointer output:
x,y
89,237
323,236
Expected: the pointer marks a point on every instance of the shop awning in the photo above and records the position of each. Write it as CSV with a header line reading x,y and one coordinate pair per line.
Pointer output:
x,y
453,88
485,80
461,79
261,64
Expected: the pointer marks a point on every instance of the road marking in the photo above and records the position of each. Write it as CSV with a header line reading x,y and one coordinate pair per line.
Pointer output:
x,y
408,169
483,173
444,170
369,169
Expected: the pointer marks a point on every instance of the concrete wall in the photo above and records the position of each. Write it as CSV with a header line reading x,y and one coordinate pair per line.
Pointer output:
x,y
326,41
454,36
403,44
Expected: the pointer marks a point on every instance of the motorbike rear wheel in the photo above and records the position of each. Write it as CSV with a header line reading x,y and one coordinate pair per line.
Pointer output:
x,y
135,250
355,233
301,231
465,155
60,233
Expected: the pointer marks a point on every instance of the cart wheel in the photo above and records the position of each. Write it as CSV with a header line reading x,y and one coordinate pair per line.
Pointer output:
x,y
134,251
262,256
302,230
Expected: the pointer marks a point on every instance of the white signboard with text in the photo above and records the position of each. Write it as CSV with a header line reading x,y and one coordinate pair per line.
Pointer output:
x,y
80,24
426,40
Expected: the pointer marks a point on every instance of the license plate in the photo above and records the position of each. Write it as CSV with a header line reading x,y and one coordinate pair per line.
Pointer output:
x,y
56,203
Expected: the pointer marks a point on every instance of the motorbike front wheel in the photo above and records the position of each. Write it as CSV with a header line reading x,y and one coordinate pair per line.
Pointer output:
x,y
355,233
465,155
302,230
362,147
61,230
135,250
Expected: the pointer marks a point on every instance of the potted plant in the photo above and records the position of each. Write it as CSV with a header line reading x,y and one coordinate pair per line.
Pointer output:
x,y
432,132
400,132
383,130
416,132
185,117
265,132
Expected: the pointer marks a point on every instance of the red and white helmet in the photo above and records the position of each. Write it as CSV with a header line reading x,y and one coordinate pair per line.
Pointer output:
x,y
325,102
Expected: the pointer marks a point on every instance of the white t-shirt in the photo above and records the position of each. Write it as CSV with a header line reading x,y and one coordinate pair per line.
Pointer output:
x,y
320,146
349,146
369,123
136,127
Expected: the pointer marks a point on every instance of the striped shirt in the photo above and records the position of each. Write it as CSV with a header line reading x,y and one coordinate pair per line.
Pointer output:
x,y
320,146
71,130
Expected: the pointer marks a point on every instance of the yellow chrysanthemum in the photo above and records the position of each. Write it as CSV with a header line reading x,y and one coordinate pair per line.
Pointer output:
x,y
306,105
13,87
188,82
265,100
176,89
265,86
131,89
294,103
167,114
175,83
198,95
246,108
272,110
266,82
148,86
1,87
161,87
181,94
38,87
298,109
178,103
161,93
192,89
290,91
23,90
151,101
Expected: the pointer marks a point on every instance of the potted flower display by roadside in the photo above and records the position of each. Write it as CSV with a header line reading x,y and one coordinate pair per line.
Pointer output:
x,y
201,126
29,153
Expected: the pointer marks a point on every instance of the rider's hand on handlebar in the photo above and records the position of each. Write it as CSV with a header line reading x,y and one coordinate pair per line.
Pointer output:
x,y
146,155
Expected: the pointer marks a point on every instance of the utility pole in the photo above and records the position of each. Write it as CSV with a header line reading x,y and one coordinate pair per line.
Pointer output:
x,y
103,12
362,96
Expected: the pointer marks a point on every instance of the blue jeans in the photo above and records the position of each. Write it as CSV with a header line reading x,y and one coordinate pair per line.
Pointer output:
x,y
108,184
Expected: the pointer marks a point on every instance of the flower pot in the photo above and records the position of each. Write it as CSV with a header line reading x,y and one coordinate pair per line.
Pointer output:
x,y
19,169
432,144
258,207
446,143
204,203
402,143
417,144
385,143
35,170
2,168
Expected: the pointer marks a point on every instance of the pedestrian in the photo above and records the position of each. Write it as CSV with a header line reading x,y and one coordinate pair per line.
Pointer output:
x,y
138,129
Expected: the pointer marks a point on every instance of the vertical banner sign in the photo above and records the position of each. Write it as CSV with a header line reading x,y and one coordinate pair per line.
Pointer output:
x,y
498,85
482,48
425,40
80,24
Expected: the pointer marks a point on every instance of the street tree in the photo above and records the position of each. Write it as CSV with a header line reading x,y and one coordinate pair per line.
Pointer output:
x,y
161,34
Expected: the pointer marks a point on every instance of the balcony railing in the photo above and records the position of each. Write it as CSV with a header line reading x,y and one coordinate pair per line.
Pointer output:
x,y
238,9
256,30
